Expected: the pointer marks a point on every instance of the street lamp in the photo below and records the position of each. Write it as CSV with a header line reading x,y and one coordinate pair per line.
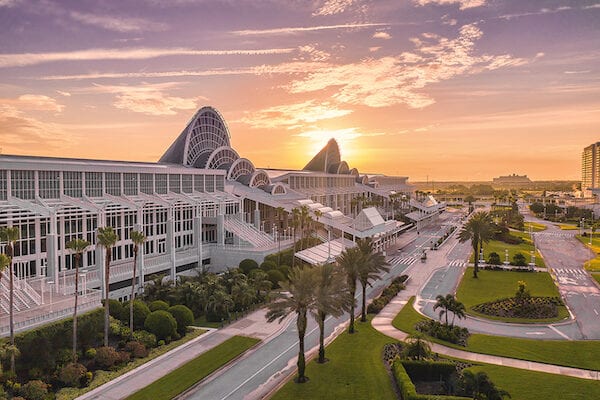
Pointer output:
x,y
50,283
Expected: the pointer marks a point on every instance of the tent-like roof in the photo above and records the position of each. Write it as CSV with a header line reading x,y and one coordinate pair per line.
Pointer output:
x,y
367,219
328,156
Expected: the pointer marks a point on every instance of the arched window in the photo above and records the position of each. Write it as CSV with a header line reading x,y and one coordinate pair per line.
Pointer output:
x,y
220,157
207,133
240,167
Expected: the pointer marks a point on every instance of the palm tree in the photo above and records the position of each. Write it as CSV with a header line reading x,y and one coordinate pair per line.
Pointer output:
x,y
280,211
458,310
4,263
10,235
478,230
106,238
331,298
369,269
350,261
300,300
481,387
416,347
295,225
445,304
77,246
259,280
137,238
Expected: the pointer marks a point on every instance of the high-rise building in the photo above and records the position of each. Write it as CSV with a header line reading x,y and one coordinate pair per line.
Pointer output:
x,y
590,169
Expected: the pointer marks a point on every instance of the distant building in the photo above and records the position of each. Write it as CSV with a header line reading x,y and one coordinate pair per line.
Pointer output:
x,y
513,180
590,169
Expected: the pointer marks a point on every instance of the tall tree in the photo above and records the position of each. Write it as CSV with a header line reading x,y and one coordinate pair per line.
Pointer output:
x,y
478,230
295,227
331,298
373,265
10,235
280,211
77,246
444,303
300,300
4,263
350,260
106,238
138,238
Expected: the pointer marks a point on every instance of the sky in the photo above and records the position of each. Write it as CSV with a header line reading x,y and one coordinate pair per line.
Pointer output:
x,y
430,89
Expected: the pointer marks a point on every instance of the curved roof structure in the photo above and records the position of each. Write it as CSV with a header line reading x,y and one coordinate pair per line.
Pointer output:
x,y
220,157
205,132
328,156
240,167
259,178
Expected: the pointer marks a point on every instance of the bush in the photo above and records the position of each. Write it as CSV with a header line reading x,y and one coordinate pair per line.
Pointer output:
x,y
275,277
247,265
158,305
115,308
519,260
106,357
137,349
161,343
448,333
140,312
268,266
72,374
387,295
184,317
146,338
429,370
162,324
34,390
494,258
90,353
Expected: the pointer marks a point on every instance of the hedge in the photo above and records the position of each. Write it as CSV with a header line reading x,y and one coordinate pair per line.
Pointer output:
x,y
407,388
428,370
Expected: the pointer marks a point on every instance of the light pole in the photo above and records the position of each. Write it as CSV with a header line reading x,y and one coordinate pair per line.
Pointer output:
x,y
50,283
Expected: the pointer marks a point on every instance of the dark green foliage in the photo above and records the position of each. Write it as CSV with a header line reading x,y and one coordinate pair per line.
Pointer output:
x,y
146,338
34,390
448,333
162,324
494,258
72,374
285,270
533,307
275,277
158,305
248,265
116,308
183,316
140,312
387,295
429,370
106,357
519,260
407,388
268,266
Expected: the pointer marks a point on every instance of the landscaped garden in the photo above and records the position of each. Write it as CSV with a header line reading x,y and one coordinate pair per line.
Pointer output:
x,y
494,295
594,263
568,227
577,354
521,245
534,226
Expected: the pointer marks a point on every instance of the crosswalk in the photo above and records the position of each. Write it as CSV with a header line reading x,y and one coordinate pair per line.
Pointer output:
x,y
402,260
569,272
556,234
457,263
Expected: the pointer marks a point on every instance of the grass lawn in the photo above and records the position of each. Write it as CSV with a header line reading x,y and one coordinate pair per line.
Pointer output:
x,y
578,354
532,385
535,226
567,227
495,285
202,322
195,370
524,248
355,370
593,264
596,277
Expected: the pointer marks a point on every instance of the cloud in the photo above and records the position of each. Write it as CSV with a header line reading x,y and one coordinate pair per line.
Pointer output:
x,y
330,7
24,59
446,20
586,71
298,29
597,5
463,4
391,80
374,49
147,99
382,35
8,3
33,102
314,54
66,94
293,115
118,24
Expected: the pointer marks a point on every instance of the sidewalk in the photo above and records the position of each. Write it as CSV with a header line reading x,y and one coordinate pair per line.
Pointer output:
x,y
383,323
253,325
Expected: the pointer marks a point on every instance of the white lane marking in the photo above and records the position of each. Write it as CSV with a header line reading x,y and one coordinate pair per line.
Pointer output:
x,y
559,332
595,311
535,333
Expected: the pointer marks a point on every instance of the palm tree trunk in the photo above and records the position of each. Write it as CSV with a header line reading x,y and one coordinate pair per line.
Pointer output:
x,y
321,321
353,291
475,258
106,290
446,315
301,324
135,256
77,261
11,309
294,250
363,317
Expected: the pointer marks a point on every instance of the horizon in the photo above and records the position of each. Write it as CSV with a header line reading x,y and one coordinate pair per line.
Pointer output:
x,y
436,90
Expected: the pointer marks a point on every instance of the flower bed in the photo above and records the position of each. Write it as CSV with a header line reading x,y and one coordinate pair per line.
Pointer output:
x,y
533,308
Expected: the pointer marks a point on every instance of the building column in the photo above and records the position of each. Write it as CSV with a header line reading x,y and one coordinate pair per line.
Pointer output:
x,y
257,217
140,258
197,225
171,244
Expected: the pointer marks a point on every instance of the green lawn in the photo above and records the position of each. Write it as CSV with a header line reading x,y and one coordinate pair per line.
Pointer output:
x,y
524,248
593,264
202,322
532,385
535,226
195,370
567,227
495,285
355,370
596,277
578,354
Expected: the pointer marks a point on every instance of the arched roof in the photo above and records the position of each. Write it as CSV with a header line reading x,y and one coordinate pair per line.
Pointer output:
x,y
329,155
221,157
259,178
205,132
274,189
339,168
240,167
354,172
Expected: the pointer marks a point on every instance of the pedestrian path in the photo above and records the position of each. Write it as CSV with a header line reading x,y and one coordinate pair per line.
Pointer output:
x,y
383,323
556,234
457,263
402,260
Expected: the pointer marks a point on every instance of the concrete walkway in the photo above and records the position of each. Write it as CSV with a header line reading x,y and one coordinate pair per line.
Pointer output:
x,y
253,325
383,323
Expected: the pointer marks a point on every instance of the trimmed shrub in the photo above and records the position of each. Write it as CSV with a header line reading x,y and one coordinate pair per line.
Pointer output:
x,y
184,317
137,349
115,308
158,305
407,388
247,265
146,338
162,324
275,277
268,266
519,260
34,390
106,357
494,258
429,370
72,374
90,353
140,312
448,333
